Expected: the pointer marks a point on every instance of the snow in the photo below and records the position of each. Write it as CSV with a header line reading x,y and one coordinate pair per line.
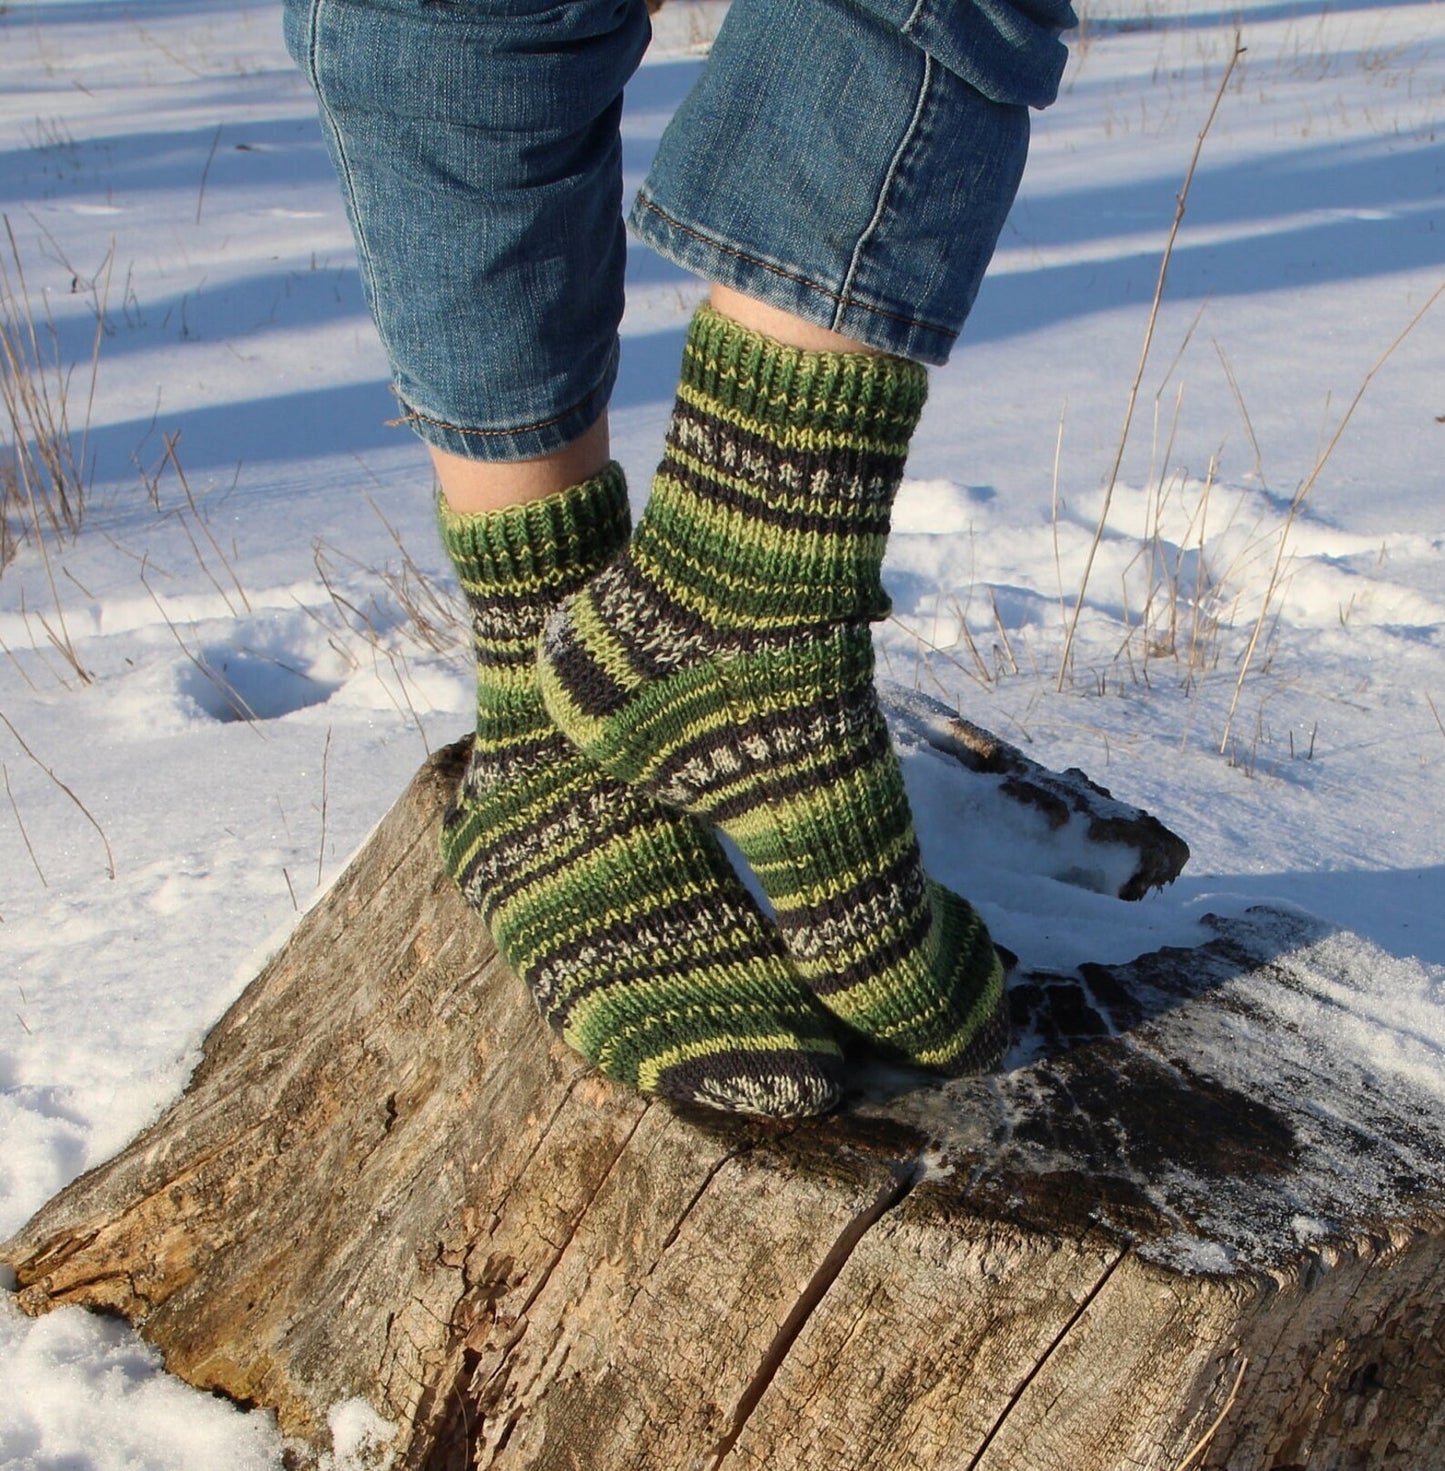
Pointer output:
x,y
85,1391
256,689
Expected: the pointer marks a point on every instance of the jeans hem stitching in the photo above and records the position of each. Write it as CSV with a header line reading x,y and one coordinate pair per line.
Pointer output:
x,y
414,416
839,297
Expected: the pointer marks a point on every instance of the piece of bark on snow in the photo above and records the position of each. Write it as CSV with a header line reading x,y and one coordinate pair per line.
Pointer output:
x,y
1207,1185
1131,850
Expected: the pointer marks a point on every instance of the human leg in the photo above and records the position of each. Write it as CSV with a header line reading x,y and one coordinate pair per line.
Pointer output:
x,y
626,921
782,326
477,486
476,143
481,169
830,164
723,663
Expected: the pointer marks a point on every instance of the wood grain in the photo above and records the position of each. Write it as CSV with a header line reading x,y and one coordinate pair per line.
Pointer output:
x,y
1182,1196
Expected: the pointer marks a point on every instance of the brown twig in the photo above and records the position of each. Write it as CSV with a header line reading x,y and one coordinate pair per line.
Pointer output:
x,y
325,764
206,171
171,441
109,855
1433,711
979,673
1234,388
44,477
1202,1444
223,686
20,823
1113,480
1302,494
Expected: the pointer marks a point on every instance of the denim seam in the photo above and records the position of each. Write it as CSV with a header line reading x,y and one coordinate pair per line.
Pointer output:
x,y
913,18
363,252
732,250
894,165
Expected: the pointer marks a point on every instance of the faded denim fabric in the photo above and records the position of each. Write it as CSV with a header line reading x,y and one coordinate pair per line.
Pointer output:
x,y
478,151
851,161
831,163
1008,49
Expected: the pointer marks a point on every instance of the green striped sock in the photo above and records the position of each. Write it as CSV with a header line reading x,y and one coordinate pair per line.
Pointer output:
x,y
626,920
724,664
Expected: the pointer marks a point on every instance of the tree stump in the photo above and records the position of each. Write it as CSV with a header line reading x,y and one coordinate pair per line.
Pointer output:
x,y
1195,1222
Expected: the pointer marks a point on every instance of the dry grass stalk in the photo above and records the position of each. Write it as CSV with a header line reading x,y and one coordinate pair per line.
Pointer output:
x,y
1054,518
1204,626
435,618
1235,389
1297,505
60,640
171,458
20,740
364,625
926,649
218,681
321,847
1005,645
10,654
43,476
430,619
1113,478
1433,711
398,668
206,172
1204,1441
984,675
20,823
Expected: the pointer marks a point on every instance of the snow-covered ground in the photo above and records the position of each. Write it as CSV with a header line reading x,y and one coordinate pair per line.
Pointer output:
x,y
213,691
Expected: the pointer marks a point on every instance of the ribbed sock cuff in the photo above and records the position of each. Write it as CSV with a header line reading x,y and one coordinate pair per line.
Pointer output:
x,y
549,546
793,390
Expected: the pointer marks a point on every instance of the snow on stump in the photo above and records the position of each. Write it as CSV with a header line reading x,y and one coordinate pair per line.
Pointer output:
x,y
1195,1223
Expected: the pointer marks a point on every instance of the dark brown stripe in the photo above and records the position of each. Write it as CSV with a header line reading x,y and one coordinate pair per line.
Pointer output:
x,y
904,947
685,931
717,1075
589,686
610,813
861,482
780,734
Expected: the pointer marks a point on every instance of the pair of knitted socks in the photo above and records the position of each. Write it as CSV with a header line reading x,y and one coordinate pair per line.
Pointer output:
x,y
718,666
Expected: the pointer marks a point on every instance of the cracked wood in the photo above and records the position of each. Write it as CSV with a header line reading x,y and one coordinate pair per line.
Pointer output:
x,y
384,1181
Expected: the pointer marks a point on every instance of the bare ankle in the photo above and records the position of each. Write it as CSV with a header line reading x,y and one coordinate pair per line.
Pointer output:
x,y
492,485
782,326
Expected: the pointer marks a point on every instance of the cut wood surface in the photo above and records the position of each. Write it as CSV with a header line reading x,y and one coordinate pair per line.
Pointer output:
x,y
1195,1222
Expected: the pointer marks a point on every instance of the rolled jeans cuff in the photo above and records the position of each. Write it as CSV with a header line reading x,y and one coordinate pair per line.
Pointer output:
x,y
849,161
514,440
833,164
478,149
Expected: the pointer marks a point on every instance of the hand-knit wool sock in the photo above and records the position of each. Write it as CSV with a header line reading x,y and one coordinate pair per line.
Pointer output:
x,y
724,663
626,920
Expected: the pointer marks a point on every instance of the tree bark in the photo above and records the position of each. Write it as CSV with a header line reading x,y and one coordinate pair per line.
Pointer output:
x,y
1196,1221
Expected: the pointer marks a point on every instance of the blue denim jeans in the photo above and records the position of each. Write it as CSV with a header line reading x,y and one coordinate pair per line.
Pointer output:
x,y
851,161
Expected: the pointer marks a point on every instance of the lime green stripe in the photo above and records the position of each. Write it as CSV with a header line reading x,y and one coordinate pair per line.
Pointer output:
x,y
887,433
570,883
764,432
